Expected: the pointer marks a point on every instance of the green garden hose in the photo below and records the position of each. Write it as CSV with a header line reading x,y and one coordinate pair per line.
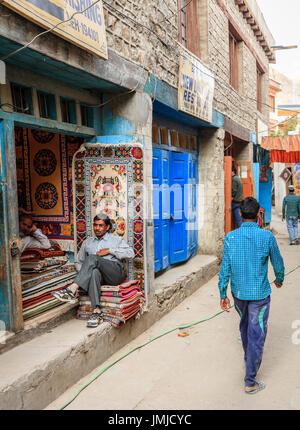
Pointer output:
x,y
97,374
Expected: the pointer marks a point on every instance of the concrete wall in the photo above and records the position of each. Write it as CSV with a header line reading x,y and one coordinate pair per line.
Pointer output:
x,y
290,89
211,192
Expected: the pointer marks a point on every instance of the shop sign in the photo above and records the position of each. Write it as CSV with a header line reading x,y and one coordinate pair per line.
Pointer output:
x,y
195,88
85,27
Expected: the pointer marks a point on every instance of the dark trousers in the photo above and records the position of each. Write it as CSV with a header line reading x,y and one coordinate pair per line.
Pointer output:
x,y
96,271
236,208
253,327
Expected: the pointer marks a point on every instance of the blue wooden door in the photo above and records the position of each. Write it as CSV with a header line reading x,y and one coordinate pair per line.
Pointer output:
x,y
161,208
174,207
179,202
192,219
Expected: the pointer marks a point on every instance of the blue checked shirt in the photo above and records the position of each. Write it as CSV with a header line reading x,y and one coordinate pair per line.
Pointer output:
x,y
245,262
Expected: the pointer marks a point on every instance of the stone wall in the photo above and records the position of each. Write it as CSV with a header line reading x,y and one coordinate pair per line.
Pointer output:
x,y
159,53
239,106
146,34
141,45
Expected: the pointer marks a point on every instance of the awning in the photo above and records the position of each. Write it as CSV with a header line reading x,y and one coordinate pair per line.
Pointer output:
x,y
282,143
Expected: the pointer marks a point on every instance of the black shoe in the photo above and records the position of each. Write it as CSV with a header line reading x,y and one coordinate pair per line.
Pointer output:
x,y
94,320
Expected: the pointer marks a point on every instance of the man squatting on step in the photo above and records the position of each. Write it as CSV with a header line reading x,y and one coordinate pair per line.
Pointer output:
x,y
245,262
98,263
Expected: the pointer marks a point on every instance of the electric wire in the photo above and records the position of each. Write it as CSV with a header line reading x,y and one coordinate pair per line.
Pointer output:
x,y
109,365
221,82
48,31
176,51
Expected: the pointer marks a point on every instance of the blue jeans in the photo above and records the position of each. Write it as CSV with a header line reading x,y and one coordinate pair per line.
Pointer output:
x,y
253,327
235,207
292,226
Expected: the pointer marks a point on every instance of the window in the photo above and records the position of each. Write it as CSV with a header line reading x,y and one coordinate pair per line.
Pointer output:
x,y
174,139
68,110
189,35
163,136
188,141
234,61
194,143
259,89
155,134
47,107
22,99
272,103
87,116
181,140
182,23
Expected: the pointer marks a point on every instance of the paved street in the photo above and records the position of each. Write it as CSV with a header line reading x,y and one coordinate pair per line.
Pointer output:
x,y
205,369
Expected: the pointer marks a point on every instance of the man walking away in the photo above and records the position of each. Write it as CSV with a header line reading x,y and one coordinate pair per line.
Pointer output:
x,y
245,262
291,211
237,190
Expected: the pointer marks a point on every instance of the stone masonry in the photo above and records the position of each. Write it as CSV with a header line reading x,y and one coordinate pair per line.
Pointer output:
x,y
158,50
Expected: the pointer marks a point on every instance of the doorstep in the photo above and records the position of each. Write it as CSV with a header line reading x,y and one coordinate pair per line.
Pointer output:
x,y
35,373
38,325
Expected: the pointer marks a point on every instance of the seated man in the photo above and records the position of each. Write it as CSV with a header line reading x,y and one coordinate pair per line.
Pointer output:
x,y
31,236
98,263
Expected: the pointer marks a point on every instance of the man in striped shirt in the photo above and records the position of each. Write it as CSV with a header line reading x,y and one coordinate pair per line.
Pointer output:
x,y
245,263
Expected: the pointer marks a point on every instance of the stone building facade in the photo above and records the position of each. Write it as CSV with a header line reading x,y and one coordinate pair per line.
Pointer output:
x,y
133,97
136,89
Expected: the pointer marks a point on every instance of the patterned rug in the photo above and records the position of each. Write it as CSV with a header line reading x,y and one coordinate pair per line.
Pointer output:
x,y
44,175
296,178
110,179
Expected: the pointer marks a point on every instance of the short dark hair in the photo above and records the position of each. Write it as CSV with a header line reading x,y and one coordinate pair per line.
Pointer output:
x,y
25,216
234,169
249,208
103,217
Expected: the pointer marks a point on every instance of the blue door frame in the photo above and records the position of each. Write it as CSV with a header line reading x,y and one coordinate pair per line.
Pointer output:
x,y
174,207
11,314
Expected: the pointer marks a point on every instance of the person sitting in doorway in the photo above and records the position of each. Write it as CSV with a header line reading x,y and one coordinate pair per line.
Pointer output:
x,y
237,190
98,263
30,235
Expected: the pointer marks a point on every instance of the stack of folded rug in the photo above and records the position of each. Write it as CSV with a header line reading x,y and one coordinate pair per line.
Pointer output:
x,y
35,260
85,307
118,303
36,291
43,271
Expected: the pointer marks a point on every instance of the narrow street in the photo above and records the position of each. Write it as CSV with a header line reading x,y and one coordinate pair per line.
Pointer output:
x,y
205,369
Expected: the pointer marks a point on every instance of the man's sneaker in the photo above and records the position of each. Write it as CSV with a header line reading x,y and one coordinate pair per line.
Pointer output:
x,y
65,295
94,320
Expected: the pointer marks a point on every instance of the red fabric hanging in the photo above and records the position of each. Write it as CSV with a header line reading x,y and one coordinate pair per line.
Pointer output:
x,y
277,156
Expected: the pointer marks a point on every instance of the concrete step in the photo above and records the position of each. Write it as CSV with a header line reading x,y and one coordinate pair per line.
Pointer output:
x,y
35,373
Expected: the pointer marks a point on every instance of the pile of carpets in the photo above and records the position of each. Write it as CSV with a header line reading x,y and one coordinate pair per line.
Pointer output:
x,y
118,304
43,271
36,260
36,290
